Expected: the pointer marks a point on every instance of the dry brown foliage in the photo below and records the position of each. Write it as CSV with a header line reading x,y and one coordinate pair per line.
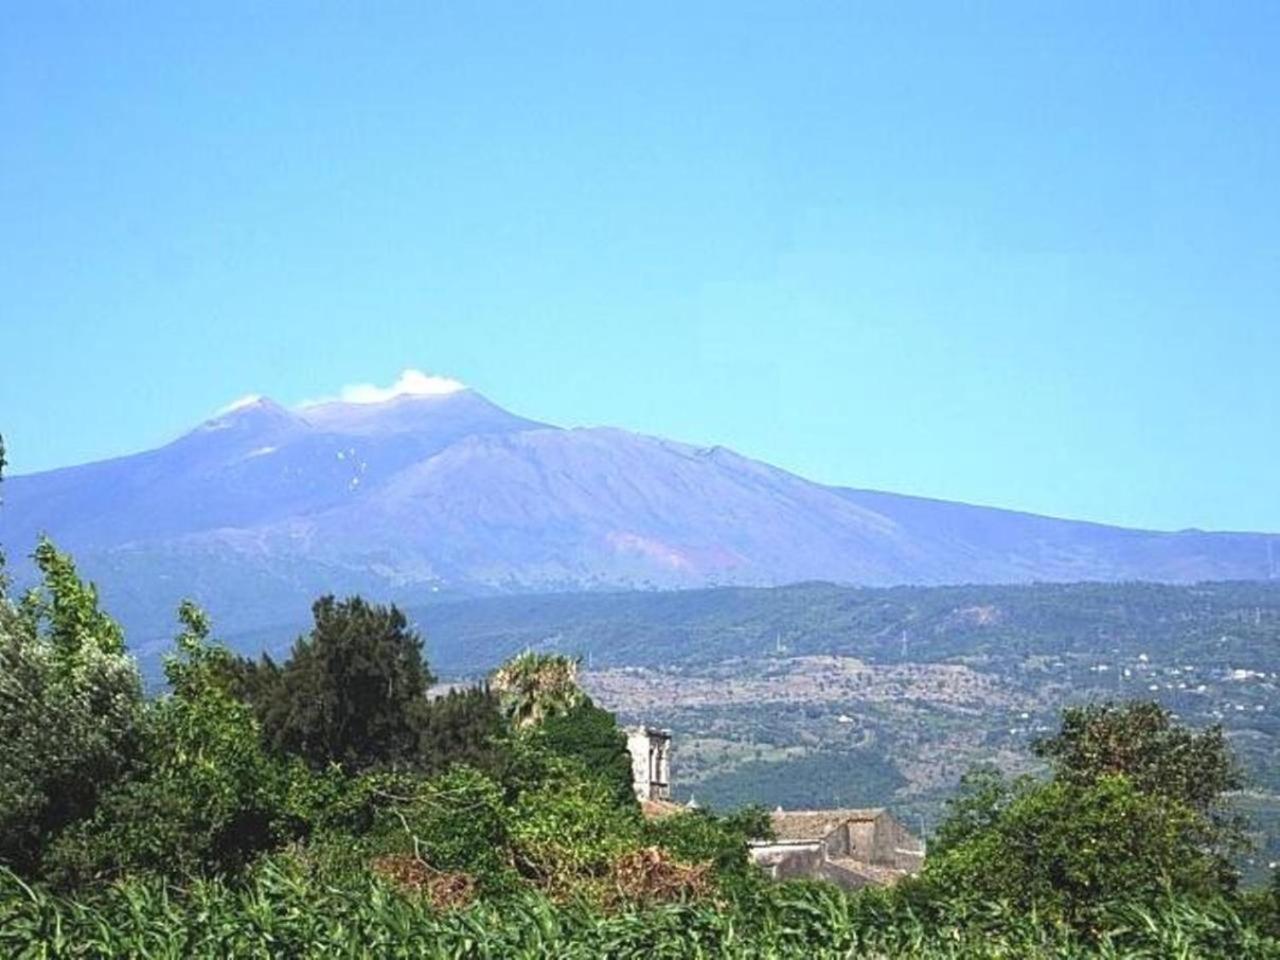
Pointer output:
x,y
411,875
651,875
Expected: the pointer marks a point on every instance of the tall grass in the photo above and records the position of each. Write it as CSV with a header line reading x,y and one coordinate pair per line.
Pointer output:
x,y
283,912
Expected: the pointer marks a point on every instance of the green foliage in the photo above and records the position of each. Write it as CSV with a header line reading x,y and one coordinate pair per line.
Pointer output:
x,y
350,693
981,799
204,795
284,910
535,686
1125,816
463,726
67,607
1065,850
567,830
454,822
1141,741
700,836
70,708
590,736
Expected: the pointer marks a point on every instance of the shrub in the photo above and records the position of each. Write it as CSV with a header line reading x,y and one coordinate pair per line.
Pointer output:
x,y
70,708
204,795
455,822
568,831
699,836
590,736
1065,850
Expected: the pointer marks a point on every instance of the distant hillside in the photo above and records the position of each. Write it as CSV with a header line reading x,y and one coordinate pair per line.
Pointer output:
x,y
1226,625
261,508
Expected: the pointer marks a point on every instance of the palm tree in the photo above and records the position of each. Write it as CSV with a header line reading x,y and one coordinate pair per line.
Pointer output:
x,y
535,686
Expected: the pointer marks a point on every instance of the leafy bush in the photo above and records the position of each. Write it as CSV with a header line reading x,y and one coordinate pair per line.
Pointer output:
x,y
204,794
1065,850
455,822
568,830
589,735
699,836
70,708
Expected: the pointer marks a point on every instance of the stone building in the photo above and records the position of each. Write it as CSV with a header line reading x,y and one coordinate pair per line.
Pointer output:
x,y
650,751
852,848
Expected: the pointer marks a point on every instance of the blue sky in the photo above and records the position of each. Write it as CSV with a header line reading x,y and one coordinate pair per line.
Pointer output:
x,y
1025,255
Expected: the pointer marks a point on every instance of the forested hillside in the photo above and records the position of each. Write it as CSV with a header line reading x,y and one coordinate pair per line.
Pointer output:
x,y
1228,624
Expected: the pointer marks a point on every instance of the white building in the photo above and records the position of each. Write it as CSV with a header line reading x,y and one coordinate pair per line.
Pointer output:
x,y
650,750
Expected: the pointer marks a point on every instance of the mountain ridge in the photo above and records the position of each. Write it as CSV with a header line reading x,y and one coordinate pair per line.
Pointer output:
x,y
418,494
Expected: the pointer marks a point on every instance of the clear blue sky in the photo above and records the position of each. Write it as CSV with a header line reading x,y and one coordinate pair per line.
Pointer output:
x,y
1025,255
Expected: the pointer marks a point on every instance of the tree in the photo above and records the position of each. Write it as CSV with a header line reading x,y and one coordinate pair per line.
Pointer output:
x,y
350,693
1141,741
464,726
1065,850
205,796
984,794
589,735
70,708
534,686
1122,818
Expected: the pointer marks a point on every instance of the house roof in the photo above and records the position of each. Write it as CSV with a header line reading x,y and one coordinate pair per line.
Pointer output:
x,y
816,824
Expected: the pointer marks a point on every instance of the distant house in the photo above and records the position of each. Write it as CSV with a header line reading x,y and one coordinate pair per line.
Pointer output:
x,y
650,750
852,848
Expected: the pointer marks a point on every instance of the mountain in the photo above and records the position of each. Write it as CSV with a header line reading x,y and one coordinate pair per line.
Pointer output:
x,y
422,497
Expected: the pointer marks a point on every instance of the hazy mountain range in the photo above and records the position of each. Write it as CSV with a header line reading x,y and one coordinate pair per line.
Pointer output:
x,y
261,508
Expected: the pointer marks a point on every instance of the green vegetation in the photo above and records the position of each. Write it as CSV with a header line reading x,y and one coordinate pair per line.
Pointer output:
x,y
327,806
349,692
71,708
537,686
282,910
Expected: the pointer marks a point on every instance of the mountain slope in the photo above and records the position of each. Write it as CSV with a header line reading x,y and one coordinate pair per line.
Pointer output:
x,y
260,508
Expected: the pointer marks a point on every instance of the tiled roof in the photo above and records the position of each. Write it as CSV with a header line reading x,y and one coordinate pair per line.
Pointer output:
x,y
815,824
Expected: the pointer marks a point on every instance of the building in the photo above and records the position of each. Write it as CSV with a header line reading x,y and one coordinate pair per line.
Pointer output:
x,y
650,751
852,848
